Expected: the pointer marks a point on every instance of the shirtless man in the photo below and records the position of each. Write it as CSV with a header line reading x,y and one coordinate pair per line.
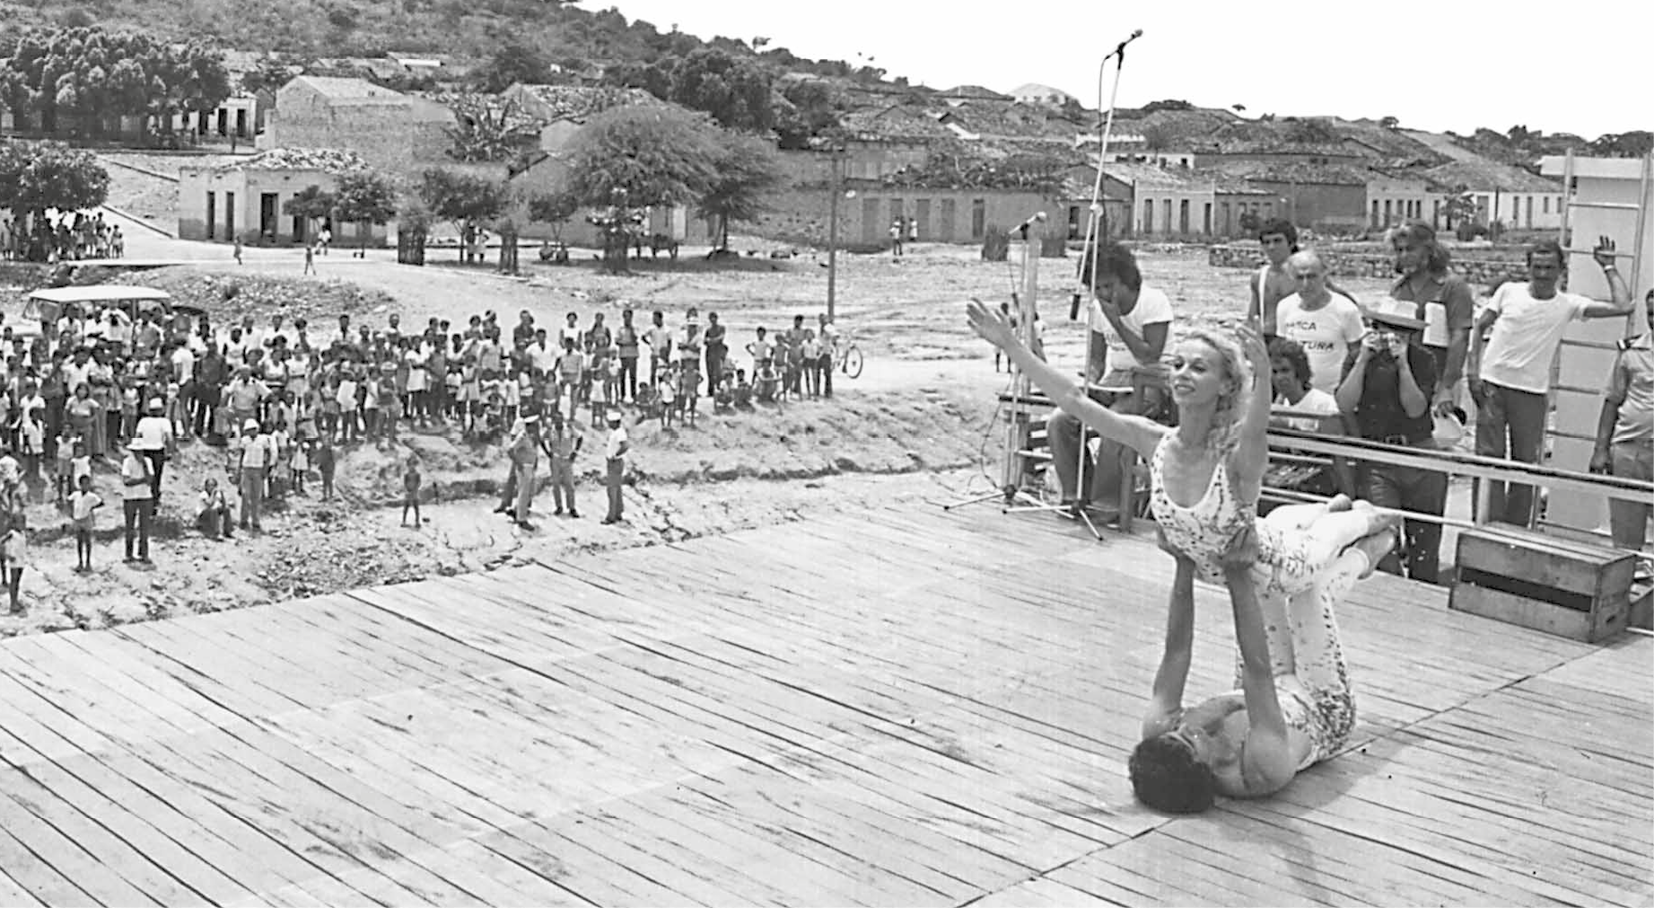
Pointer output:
x,y
1274,281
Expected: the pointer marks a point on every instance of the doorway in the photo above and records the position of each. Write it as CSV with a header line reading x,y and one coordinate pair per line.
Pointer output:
x,y
229,215
267,214
212,215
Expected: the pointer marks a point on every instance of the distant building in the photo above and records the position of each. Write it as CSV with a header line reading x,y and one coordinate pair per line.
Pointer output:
x,y
1035,93
1504,194
244,197
390,130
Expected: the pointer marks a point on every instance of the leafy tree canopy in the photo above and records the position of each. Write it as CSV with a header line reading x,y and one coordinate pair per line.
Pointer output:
x,y
515,61
457,197
91,76
637,158
365,196
747,170
36,176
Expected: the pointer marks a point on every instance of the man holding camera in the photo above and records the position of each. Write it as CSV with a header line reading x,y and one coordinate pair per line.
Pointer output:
x,y
1386,389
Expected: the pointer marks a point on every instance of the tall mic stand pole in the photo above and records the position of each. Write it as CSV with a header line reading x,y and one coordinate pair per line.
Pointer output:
x,y
1020,398
1095,234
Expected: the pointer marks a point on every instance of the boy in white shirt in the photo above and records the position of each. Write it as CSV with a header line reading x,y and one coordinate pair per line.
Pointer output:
x,y
82,504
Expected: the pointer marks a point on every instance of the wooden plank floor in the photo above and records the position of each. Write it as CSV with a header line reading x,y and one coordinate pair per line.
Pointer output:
x,y
907,707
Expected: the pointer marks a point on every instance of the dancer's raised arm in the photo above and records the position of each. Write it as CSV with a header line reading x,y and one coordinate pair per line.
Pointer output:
x,y
1068,394
1166,702
1266,761
1251,455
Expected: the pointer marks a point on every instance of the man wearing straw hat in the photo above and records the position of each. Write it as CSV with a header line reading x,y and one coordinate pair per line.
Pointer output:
x,y
1386,389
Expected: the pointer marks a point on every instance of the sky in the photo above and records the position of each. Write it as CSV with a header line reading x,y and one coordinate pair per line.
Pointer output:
x,y
1443,65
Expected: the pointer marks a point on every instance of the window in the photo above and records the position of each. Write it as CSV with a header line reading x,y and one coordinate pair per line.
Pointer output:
x,y
1545,205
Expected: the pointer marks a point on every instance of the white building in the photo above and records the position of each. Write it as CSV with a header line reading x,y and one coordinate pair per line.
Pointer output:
x,y
1587,352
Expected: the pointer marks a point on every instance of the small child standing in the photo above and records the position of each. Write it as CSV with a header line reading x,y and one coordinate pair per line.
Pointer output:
x,y
63,466
81,506
410,490
81,467
300,465
325,464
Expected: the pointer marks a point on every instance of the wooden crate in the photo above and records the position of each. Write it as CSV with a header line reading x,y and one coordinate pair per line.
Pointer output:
x,y
1565,588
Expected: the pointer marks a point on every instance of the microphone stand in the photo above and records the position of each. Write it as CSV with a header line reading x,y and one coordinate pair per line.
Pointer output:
x,y
1012,469
1096,234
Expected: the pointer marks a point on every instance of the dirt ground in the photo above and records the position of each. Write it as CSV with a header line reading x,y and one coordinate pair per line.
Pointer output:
x,y
920,423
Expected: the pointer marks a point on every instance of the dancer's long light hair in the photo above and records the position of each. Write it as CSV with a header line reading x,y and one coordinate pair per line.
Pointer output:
x,y
1231,403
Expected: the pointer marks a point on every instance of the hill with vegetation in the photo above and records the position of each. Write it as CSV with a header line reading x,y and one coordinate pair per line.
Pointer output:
x,y
471,30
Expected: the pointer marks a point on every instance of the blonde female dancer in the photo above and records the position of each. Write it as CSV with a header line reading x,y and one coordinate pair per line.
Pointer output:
x,y
1294,706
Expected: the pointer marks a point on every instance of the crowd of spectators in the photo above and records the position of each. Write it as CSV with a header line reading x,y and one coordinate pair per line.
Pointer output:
x,y
67,236
116,387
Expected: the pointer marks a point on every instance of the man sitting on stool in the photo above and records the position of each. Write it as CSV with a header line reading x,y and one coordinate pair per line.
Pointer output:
x,y
1129,324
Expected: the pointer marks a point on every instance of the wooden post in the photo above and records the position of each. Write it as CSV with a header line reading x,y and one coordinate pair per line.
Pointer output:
x,y
834,189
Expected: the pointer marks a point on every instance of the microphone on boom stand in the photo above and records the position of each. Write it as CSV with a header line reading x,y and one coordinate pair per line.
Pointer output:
x,y
1022,228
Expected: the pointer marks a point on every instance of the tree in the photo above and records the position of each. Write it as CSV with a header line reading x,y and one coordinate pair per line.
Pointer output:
x,y
514,62
1389,122
485,131
37,176
747,170
311,203
365,197
1168,104
89,76
1624,145
629,159
1158,137
1313,131
462,199
805,110
270,74
554,208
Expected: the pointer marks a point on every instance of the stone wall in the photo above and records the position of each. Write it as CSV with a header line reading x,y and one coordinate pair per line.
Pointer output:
x,y
1483,267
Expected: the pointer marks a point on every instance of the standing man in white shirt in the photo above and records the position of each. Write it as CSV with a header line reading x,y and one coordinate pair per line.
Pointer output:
x,y
138,504
1324,325
659,339
257,454
615,460
1510,374
152,438
1129,324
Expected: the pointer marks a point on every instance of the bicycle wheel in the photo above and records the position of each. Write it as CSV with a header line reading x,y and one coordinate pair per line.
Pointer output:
x,y
852,361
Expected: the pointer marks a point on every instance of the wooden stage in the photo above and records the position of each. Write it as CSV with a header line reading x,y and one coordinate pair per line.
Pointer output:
x,y
899,708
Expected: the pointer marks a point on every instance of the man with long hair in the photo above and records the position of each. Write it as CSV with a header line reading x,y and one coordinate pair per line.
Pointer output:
x,y
1444,301
1128,327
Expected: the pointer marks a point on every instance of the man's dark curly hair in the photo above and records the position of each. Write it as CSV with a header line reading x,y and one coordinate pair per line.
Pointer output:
x,y
1166,776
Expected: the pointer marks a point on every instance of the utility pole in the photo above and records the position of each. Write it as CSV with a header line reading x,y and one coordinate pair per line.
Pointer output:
x,y
832,228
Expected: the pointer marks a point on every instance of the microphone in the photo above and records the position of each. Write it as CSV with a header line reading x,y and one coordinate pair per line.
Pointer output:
x,y
1038,218
1120,51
